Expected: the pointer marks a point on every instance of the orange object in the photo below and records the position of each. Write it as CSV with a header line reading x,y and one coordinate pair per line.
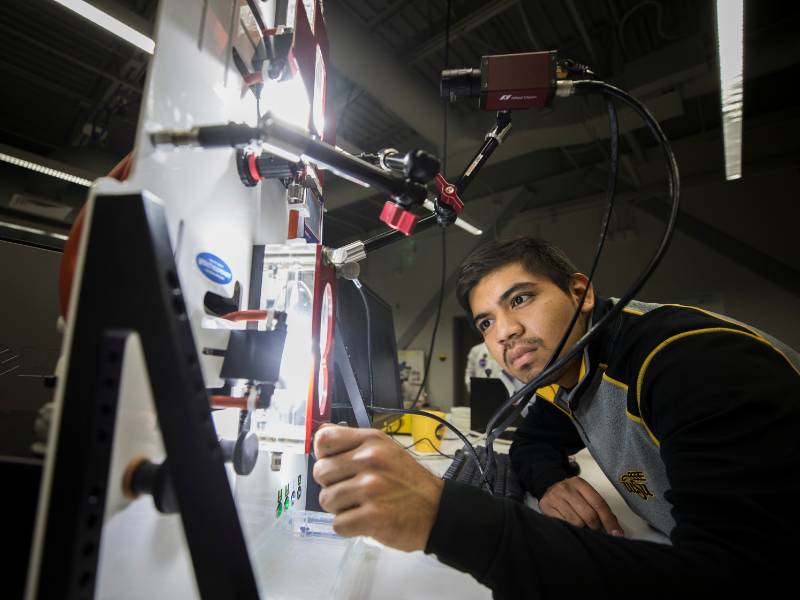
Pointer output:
x,y
127,476
228,402
294,219
66,274
246,315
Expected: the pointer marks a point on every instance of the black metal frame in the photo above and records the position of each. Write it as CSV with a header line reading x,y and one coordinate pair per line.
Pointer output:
x,y
130,284
492,140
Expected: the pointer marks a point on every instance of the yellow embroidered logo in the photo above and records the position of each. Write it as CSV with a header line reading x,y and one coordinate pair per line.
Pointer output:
x,y
635,482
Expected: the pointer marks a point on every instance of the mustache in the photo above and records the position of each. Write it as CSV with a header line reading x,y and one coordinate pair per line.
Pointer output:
x,y
538,342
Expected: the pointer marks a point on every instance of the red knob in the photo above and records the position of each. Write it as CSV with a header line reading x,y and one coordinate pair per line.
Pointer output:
x,y
448,194
398,218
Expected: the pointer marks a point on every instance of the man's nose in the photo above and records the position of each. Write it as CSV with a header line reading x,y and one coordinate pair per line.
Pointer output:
x,y
507,327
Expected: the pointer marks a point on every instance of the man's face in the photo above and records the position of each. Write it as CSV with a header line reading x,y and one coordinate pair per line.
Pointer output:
x,y
523,316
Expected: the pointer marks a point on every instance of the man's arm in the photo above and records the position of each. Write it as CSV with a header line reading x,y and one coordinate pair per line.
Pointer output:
x,y
539,456
726,410
731,445
727,424
541,446
374,487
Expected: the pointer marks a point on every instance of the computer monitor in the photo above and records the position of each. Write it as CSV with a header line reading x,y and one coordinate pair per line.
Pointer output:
x,y
487,395
351,325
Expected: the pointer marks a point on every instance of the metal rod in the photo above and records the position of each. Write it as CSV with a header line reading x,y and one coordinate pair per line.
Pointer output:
x,y
493,139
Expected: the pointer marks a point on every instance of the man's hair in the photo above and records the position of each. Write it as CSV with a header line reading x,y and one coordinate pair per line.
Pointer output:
x,y
537,256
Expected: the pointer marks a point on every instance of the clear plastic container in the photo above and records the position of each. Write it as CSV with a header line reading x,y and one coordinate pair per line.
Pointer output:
x,y
308,523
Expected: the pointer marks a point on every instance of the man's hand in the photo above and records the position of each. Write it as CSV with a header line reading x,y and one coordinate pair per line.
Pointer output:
x,y
578,503
375,488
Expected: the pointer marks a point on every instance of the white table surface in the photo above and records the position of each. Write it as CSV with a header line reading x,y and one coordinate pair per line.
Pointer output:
x,y
370,571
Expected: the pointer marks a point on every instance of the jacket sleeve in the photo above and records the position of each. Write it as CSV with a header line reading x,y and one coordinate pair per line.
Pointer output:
x,y
728,433
541,446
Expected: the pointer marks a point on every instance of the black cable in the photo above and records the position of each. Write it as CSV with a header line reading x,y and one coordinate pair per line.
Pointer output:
x,y
411,410
613,126
674,188
470,448
399,423
446,66
435,323
444,248
547,375
432,445
368,313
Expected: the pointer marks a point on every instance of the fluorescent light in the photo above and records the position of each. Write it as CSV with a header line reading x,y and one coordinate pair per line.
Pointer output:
x,y
469,228
109,23
730,34
58,236
26,164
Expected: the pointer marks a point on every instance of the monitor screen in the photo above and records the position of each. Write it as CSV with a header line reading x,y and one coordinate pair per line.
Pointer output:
x,y
487,395
351,325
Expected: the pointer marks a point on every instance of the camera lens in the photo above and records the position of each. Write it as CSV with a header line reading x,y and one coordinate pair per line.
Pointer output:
x,y
460,84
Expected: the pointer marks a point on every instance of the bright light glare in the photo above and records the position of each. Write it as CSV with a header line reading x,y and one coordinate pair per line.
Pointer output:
x,y
730,32
288,101
109,23
26,164
32,230
319,95
469,228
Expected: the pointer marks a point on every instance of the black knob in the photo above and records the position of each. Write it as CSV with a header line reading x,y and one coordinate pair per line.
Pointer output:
x,y
145,477
421,166
242,452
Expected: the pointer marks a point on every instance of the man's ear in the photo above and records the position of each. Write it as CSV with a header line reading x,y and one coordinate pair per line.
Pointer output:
x,y
578,287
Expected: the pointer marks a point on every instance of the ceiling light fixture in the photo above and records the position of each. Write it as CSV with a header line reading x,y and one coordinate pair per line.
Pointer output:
x,y
26,164
109,23
19,227
730,35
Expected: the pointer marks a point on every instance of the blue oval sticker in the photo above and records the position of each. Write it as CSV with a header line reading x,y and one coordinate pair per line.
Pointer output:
x,y
214,268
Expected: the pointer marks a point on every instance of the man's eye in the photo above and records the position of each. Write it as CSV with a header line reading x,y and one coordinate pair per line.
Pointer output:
x,y
484,325
517,300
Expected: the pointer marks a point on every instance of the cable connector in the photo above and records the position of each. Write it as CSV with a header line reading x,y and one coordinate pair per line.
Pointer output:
x,y
352,252
569,68
564,88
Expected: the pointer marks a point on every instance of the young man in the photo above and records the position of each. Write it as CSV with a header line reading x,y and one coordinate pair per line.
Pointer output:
x,y
695,418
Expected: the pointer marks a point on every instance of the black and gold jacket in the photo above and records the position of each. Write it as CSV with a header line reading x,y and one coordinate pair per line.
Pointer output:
x,y
695,418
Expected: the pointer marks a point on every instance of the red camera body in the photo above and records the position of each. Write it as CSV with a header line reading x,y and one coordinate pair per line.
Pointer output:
x,y
511,81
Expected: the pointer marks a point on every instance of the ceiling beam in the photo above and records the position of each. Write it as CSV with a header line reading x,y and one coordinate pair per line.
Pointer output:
x,y
387,13
519,143
570,191
536,44
44,83
579,24
366,61
69,58
742,253
472,21
664,79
